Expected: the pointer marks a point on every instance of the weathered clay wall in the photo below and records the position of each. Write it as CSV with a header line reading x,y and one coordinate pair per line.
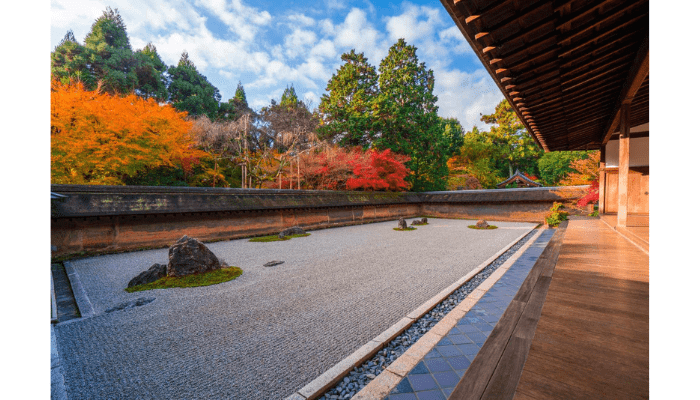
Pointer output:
x,y
99,219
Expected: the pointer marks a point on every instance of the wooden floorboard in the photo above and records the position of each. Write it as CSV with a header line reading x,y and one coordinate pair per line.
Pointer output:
x,y
578,328
592,339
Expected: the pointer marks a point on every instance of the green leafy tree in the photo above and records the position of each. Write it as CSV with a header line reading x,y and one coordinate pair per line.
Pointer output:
x,y
191,91
477,158
150,74
515,147
408,117
453,133
289,98
556,165
239,96
69,61
235,107
346,112
112,61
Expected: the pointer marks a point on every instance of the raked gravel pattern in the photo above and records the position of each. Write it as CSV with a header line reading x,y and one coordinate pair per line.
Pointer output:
x,y
360,376
273,329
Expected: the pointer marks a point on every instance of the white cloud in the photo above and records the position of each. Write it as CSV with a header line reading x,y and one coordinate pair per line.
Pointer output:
x,y
324,49
242,20
311,98
466,96
356,32
301,19
327,27
414,23
453,38
299,42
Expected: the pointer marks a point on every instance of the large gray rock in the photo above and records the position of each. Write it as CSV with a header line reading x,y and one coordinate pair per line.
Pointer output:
x,y
424,220
190,256
154,273
482,224
402,223
295,230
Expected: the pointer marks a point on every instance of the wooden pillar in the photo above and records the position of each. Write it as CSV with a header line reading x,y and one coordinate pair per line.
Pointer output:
x,y
601,182
624,161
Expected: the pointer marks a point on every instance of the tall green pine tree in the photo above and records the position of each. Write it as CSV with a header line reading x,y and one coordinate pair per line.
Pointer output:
x,y
347,111
191,91
410,124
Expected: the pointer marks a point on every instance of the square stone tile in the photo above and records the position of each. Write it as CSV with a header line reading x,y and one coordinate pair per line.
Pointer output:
x,y
469,349
446,379
403,387
454,331
432,354
481,326
437,365
444,342
466,328
459,339
402,396
458,363
447,392
420,368
422,382
448,351
431,395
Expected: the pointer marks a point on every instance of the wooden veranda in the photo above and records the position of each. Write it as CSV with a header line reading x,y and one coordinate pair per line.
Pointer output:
x,y
577,75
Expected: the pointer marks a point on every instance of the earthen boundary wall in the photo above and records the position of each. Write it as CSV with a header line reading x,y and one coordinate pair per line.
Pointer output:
x,y
104,219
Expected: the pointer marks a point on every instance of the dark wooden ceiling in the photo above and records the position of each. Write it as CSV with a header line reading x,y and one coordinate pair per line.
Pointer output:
x,y
565,66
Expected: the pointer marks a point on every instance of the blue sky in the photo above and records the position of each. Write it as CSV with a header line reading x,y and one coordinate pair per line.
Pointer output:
x,y
269,45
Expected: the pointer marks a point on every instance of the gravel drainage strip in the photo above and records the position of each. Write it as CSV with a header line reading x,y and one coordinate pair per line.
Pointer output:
x,y
367,363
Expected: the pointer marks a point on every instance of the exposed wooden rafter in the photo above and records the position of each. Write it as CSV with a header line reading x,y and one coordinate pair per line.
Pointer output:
x,y
562,63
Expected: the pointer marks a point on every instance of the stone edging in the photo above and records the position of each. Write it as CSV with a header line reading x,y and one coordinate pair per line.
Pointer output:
x,y
329,378
380,387
81,298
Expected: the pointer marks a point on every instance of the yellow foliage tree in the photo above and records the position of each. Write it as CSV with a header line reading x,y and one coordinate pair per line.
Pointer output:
x,y
585,170
100,139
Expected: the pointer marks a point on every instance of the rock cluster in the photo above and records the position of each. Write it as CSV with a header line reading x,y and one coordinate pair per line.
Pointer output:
x,y
154,273
402,223
422,221
295,230
187,256
360,376
482,224
190,256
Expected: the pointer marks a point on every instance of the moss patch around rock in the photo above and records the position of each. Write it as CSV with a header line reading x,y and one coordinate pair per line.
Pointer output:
x,y
208,278
490,227
275,238
407,229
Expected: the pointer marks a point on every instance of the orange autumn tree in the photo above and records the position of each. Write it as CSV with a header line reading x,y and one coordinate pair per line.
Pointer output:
x,y
379,170
101,139
585,170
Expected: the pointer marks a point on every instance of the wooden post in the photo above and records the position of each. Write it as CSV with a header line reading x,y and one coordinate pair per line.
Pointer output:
x,y
624,161
298,173
601,182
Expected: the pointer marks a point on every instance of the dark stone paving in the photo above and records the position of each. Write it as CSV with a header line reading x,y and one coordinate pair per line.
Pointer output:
x,y
441,369
66,307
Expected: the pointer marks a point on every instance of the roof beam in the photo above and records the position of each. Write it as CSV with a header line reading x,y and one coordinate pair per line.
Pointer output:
x,y
635,78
